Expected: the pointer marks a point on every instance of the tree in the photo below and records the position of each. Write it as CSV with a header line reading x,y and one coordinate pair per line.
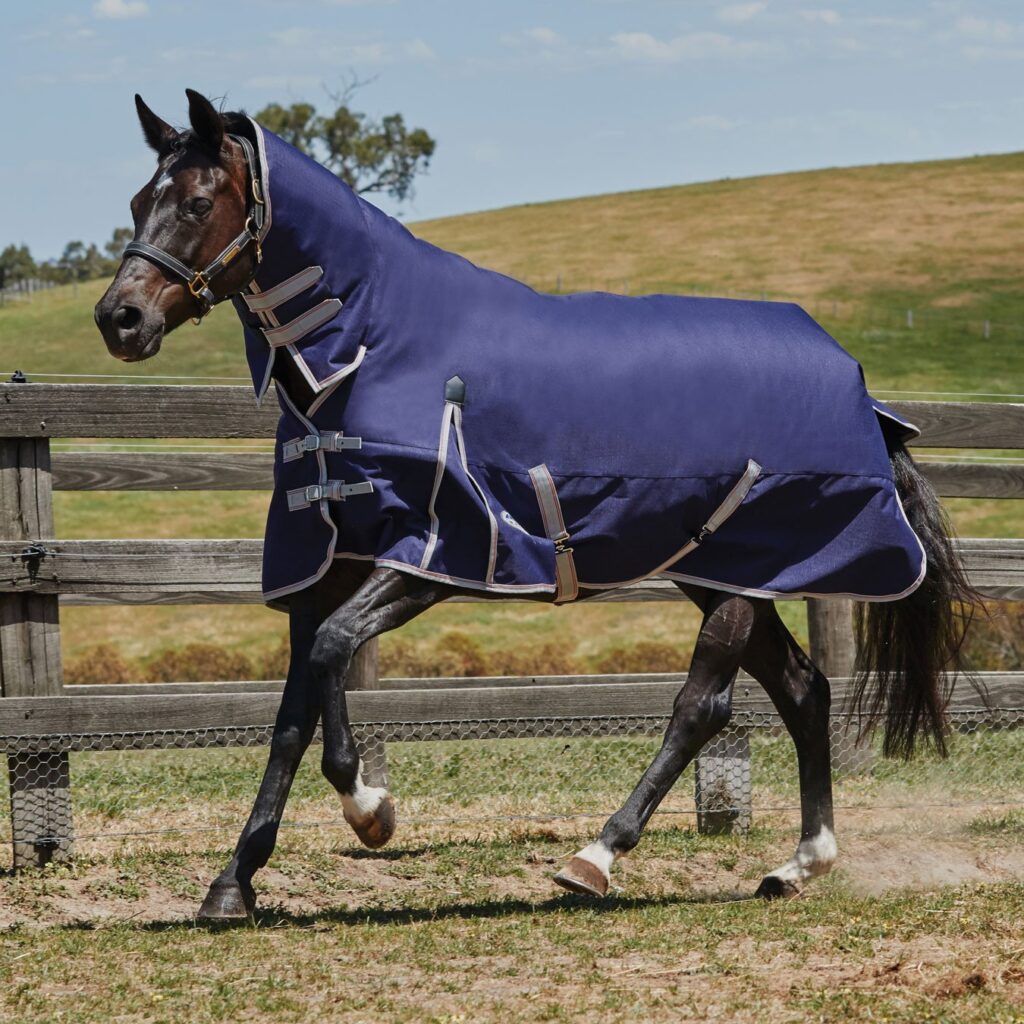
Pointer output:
x,y
118,240
80,262
367,154
17,263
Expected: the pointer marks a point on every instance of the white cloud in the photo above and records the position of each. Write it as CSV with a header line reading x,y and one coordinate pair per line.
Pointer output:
x,y
336,48
985,28
990,38
297,35
120,8
419,49
544,36
714,122
735,13
547,38
642,46
826,15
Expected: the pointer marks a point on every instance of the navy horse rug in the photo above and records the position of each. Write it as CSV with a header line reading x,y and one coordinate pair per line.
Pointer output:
x,y
468,429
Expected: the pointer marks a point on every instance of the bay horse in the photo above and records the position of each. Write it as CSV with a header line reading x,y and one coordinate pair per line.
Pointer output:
x,y
794,482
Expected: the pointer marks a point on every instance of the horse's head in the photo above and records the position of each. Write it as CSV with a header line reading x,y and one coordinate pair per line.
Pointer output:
x,y
195,232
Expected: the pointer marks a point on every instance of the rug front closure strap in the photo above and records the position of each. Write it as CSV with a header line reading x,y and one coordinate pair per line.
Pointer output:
x,y
326,441
264,302
332,490
297,329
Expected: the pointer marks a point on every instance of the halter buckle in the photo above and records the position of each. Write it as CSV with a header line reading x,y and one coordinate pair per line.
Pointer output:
x,y
254,233
197,285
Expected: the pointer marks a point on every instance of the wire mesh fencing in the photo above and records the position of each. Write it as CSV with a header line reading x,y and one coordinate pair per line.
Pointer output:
x,y
484,773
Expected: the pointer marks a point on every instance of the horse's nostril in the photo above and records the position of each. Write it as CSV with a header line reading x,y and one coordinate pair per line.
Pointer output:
x,y
126,318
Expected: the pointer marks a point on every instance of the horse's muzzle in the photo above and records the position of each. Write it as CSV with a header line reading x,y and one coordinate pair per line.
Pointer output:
x,y
130,332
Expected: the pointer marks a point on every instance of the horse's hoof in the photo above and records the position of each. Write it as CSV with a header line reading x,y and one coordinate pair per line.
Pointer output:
x,y
376,830
580,876
774,888
228,901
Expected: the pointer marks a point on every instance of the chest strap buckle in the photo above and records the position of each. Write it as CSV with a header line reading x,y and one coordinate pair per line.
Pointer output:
x,y
333,490
327,441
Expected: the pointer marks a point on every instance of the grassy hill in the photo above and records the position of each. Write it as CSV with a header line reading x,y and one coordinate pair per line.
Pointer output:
x,y
856,246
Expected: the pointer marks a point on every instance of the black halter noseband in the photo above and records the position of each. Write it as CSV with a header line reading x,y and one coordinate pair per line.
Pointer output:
x,y
199,281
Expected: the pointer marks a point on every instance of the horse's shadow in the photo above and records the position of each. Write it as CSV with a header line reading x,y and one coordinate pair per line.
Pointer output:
x,y
279,917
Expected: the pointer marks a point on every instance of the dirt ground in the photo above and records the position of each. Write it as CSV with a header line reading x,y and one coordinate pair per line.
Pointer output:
x,y
919,922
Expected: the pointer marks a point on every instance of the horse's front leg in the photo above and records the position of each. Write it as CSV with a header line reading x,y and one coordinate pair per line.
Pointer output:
x,y
386,599
231,895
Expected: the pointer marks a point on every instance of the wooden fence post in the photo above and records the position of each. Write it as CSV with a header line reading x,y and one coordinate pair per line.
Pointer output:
x,y
834,650
364,675
30,662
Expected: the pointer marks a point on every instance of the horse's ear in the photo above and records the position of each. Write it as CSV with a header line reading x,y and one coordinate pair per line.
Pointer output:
x,y
159,134
206,122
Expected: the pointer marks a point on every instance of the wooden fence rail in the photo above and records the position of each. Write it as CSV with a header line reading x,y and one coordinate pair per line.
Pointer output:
x,y
39,571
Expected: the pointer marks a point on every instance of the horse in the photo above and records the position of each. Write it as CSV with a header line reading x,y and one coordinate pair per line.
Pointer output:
x,y
232,212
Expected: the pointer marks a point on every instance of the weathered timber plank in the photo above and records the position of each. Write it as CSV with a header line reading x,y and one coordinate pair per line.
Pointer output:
x,y
178,597
965,424
162,471
30,660
177,471
30,663
64,715
168,566
91,410
1006,689
421,683
191,568
830,634
965,480
114,410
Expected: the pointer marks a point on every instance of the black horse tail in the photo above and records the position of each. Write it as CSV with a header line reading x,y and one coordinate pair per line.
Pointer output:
x,y
909,651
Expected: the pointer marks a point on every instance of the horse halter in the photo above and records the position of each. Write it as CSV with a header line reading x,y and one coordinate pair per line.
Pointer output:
x,y
199,281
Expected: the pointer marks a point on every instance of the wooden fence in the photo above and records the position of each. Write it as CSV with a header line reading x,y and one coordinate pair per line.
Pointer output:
x,y
39,572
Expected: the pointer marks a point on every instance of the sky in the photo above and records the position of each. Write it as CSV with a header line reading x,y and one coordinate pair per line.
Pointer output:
x,y
528,100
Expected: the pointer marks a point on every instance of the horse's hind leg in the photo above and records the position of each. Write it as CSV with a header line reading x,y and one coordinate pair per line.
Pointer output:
x,y
387,599
702,709
800,692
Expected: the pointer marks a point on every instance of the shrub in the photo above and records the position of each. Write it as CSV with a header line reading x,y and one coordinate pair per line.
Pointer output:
x,y
995,641
458,654
548,659
103,663
645,656
274,663
195,663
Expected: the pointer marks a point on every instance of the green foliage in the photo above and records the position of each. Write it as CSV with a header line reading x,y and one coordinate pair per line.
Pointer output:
x,y
367,154
296,124
81,262
995,640
102,663
196,663
16,263
118,240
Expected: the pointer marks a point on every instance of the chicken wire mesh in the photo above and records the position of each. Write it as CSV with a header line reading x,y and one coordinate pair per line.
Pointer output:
x,y
170,783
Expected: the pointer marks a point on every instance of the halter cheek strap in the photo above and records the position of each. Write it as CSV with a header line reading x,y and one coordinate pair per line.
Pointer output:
x,y
199,281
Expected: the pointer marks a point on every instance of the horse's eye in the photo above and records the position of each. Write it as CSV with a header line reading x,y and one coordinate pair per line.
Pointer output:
x,y
199,206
